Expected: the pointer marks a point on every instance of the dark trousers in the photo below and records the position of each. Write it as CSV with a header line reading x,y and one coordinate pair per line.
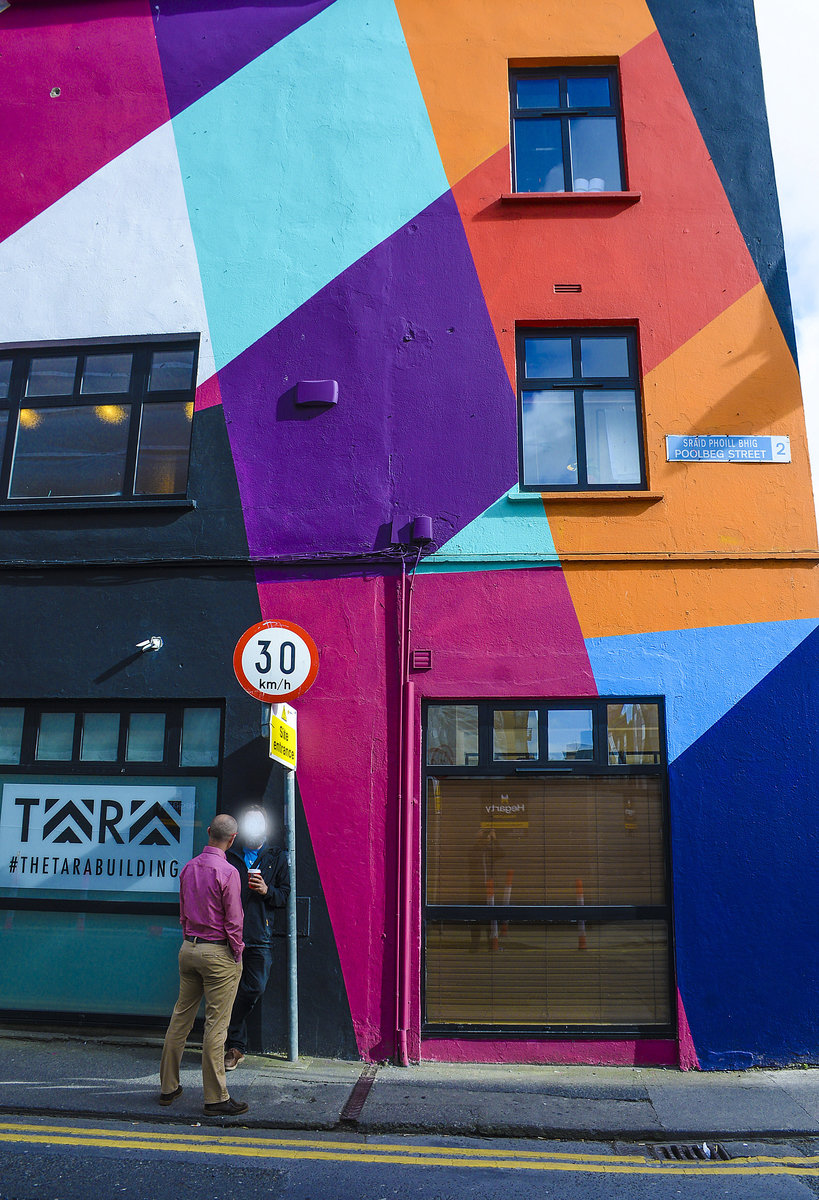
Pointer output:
x,y
256,963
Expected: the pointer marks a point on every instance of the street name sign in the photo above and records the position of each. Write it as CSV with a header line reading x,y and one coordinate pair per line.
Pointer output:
x,y
736,448
275,660
283,735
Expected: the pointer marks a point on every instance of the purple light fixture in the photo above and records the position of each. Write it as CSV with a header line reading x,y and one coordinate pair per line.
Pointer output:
x,y
317,392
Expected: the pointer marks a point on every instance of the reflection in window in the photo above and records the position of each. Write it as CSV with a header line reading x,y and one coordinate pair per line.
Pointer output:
x,y
570,734
11,734
71,451
452,735
549,439
633,734
620,978
514,734
171,371
106,373
51,376
5,377
579,410
100,737
55,737
201,730
146,737
565,131
164,449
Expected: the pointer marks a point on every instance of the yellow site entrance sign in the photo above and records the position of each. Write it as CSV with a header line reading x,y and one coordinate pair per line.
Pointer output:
x,y
283,735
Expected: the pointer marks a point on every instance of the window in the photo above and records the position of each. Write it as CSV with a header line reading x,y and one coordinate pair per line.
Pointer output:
x,y
96,421
133,738
566,130
580,421
546,902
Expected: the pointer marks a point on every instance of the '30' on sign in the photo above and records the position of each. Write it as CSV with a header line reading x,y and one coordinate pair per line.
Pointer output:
x,y
276,660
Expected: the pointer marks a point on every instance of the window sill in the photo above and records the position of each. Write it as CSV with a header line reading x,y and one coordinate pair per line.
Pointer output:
x,y
43,506
584,497
624,198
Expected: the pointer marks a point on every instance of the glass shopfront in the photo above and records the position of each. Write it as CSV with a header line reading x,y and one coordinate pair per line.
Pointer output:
x,y
100,808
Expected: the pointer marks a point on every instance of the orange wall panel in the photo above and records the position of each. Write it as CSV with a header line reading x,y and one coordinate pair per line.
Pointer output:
x,y
461,50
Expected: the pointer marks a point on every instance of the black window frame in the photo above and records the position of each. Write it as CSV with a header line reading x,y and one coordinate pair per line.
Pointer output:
x,y
141,349
544,914
578,385
564,113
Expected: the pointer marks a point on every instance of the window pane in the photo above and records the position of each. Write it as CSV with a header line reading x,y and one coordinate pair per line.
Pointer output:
x,y
604,358
595,154
633,734
11,734
538,155
70,451
164,449
548,358
514,735
540,974
100,737
51,376
538,93
106,373
570,734
171,371
201,728
612,437
146,737
55,737
545,839
452,735
5,376
4,424
592,91
549,439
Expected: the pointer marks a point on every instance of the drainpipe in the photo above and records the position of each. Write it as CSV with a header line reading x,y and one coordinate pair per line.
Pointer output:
x,y
405,818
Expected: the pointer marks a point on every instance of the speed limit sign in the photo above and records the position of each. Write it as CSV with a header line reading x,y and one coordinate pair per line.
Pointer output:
x,y
276,660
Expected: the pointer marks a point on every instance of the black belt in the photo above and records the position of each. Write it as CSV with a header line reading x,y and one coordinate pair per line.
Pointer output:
x,y
207,941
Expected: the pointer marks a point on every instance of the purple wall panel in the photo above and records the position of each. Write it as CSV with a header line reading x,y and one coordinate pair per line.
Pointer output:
x,y
203,42
425,421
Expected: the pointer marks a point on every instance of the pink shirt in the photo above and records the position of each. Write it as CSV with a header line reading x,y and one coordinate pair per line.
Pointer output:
x,y
210,900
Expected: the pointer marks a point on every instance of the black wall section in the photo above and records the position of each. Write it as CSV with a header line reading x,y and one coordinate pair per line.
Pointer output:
x,y
70,633
713,46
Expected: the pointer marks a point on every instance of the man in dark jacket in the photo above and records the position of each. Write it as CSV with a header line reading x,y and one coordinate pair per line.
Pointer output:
x,y
265,879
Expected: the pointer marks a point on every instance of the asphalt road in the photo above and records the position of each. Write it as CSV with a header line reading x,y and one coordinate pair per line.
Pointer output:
x,y
59,1159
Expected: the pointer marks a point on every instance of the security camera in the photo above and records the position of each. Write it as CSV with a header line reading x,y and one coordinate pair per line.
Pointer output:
x,y
151,643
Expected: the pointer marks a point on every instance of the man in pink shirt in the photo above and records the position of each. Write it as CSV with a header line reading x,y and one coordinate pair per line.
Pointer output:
x,y
210,964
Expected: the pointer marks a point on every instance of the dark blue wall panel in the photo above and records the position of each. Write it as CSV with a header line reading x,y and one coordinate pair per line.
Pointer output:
x,y
713,46
746,849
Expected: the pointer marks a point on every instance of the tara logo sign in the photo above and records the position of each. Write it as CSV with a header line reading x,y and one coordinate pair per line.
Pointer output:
x,y
90,837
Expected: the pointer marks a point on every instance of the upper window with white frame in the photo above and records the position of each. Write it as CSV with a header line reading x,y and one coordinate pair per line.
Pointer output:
x,y
566,133
579,413
97,421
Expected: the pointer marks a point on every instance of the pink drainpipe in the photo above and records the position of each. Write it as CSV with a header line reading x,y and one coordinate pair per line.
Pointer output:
x,y
406,824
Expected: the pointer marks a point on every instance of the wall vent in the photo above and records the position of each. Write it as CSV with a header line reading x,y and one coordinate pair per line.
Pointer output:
x,y
561,288
421,660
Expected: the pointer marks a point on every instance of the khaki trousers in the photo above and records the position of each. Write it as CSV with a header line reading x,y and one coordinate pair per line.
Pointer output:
x,y
209,971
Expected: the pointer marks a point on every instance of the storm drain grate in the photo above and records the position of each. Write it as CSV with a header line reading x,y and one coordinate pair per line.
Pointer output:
x,y
690,1152
355,1101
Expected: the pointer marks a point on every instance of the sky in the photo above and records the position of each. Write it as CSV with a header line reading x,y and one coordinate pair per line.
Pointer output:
x,y
788,38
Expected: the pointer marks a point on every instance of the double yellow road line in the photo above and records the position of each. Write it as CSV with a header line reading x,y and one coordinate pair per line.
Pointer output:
x,y
235,1144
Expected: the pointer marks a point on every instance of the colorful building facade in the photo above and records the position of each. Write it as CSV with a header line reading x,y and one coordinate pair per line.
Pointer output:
x,y
566,663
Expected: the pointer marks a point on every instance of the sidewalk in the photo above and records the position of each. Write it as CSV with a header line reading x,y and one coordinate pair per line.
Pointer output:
x,y
117,1077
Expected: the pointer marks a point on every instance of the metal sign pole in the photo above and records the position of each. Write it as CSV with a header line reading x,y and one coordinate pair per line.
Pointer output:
x,y
292,932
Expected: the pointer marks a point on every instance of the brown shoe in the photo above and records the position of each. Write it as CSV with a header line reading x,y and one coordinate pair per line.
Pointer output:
x,y
166,1098
226,1108
233,1057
